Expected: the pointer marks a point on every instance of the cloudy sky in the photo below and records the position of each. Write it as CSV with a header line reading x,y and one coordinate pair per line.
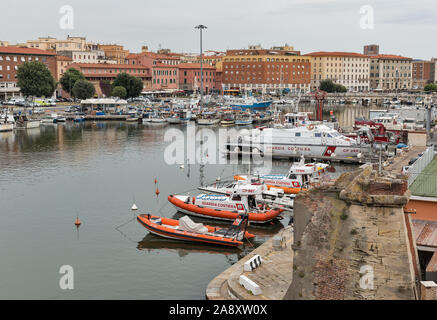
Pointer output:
x,y
405,27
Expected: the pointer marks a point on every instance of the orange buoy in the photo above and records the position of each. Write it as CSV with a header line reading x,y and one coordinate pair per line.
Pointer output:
x,y
157,192
156,181
77,223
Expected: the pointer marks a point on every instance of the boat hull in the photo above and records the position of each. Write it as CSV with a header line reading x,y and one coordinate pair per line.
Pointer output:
x,y
166,229
207,122
218,214
6,127
255,105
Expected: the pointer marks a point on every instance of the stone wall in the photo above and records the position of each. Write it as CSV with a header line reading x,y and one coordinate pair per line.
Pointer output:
x,y
351,240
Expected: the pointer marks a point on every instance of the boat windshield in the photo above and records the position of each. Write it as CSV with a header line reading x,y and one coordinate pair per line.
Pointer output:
x,y
251,201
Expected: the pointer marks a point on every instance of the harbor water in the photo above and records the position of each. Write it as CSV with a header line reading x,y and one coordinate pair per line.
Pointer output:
x,y
96,171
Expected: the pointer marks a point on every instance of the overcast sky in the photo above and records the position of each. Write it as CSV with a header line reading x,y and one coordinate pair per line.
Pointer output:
x,y
405,27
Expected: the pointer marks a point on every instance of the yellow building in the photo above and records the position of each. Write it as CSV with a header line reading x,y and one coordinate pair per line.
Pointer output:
x,y
53,44
390,72
115,52
346,68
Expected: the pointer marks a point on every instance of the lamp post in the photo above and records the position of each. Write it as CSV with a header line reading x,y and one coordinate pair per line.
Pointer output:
x,y
201,27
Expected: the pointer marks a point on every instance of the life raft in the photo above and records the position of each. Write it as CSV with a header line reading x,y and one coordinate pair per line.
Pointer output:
x,y
287,190
170,228
193,209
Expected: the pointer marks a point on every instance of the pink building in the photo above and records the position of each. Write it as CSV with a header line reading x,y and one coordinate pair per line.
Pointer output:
x,y
164,69
189,77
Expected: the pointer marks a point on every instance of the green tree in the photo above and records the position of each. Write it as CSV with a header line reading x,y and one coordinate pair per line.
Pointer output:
x,y
340,88
431,87
35,79
133,85
83,89
119,91
327,85
69,78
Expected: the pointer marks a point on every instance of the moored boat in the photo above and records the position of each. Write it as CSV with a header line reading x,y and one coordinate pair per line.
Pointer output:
x,y
187,230
300,177
227,207
312,141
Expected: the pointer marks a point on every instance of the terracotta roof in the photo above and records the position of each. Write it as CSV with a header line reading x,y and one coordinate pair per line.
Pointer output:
x,y
336,54
153,55
33,51
390,56
194,66
425,233
109,65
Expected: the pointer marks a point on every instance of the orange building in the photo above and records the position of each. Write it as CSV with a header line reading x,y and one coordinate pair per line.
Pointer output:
x,y
114,52
12,57
101,74
266,69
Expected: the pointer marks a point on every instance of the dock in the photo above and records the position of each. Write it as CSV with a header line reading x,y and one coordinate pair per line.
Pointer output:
x,y
273,276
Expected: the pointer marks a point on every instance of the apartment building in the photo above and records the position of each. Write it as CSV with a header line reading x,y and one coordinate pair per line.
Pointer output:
x,y
266,69
349,69
114,52
390,72
423,72
190,77
12,57
163,66
101,74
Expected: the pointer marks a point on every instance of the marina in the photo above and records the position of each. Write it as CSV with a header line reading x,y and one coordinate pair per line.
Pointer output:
x,y
183,156
102,166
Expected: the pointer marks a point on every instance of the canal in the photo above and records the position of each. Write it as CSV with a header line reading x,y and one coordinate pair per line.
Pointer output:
x,y
96,171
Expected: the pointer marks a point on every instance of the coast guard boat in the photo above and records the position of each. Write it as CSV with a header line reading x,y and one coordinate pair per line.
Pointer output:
x,y
187,230
300,177
311,141
273,197
228,206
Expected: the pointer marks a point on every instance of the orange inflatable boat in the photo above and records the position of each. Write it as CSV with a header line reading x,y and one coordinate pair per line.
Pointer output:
x,y
185,229
223,208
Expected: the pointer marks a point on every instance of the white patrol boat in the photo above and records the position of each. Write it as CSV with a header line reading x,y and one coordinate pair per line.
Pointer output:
x,y
274,197
301,176
224,206
311,141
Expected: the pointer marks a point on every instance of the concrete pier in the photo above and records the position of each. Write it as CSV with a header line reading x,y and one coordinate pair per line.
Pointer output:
x,y
273,276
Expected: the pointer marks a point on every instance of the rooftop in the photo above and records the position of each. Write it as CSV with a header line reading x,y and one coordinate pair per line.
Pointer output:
x,y
109,65
32,51
425,233
425,184
335,54
390,56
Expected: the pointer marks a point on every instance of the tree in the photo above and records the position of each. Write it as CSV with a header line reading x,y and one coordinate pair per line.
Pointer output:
x,y
133,85
83,89
340,88
327,85
120,92
69,78
431,87
35,79
330,86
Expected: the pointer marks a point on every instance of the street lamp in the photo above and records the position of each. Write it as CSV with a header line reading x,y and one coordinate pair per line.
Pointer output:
x,y
201,27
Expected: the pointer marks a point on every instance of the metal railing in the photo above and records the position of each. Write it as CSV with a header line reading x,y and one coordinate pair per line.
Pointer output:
x,y
419,165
